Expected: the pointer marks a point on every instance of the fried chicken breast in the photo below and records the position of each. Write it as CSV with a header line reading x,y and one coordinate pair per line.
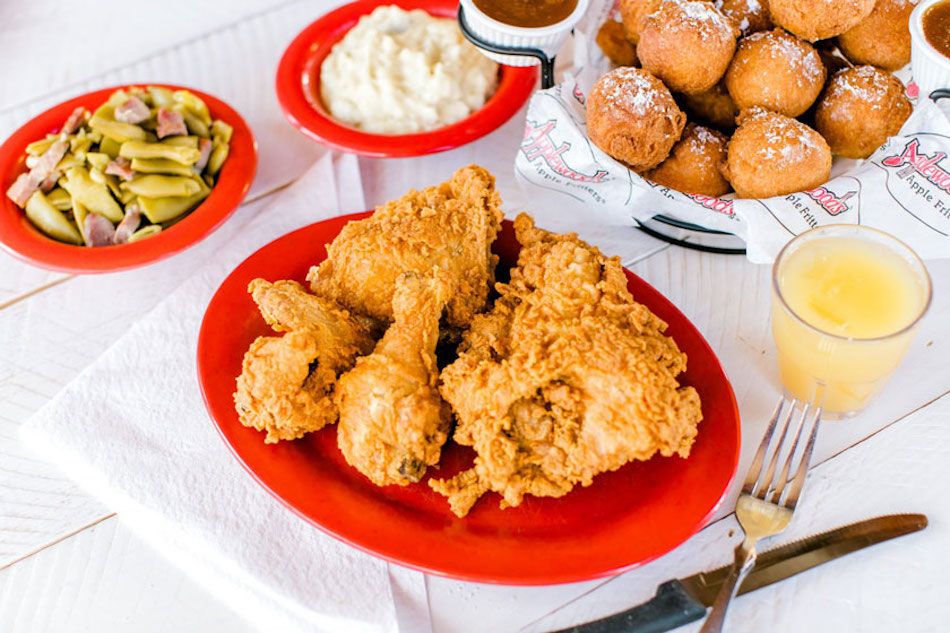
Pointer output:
x,y
286,383
565,378
450,226
393,422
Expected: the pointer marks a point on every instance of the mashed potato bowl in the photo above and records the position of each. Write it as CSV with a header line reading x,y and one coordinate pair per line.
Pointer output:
x,y
298,90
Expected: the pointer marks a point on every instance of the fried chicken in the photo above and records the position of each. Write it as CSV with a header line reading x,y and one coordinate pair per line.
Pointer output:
x,y
450,226
392,420
286,383
565,378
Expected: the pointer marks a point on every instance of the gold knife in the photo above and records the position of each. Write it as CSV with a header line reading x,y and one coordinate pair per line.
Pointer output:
x,y
678,602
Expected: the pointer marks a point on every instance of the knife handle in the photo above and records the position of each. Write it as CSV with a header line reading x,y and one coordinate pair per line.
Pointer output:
x,y
671,607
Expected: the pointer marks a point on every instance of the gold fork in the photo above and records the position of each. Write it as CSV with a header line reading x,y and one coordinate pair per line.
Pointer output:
x,y
765,506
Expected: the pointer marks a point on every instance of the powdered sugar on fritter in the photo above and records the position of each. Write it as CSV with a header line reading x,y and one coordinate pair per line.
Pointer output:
x,y
632,90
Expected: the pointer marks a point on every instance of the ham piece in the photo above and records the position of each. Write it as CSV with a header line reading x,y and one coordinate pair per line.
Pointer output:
x,y
26,184
131,221
170,123
75,120
97,230
121,167
133,111
204,146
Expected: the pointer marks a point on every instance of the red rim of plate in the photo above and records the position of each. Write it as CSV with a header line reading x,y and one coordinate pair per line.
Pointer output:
x,y
298,90
24,241
624,519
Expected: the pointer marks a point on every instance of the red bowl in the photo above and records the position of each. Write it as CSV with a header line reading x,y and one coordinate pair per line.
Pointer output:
x,y
20,238
298,90
622,520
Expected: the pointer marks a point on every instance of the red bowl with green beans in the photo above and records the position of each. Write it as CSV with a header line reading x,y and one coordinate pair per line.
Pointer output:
x,y
220,184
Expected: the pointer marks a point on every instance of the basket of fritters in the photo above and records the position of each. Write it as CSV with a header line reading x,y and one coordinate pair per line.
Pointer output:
x,y
761,120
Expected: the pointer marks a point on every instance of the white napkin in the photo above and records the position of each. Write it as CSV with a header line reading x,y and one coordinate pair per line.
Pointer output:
x,y
133,430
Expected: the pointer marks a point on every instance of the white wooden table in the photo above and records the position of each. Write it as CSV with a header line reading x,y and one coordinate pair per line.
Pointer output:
x,y
68,564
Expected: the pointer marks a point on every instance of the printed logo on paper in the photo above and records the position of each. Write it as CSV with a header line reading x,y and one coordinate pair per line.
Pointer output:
x,y
831,204
539,146
918,178
837,197
912,159
713,204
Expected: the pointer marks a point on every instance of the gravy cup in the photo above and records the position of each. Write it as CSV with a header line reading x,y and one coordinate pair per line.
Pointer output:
x,y
547,39
931,68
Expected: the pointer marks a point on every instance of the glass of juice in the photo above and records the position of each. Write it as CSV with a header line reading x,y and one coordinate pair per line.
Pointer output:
x,y
846,302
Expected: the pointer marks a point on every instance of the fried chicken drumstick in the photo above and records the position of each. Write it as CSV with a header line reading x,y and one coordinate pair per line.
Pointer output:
x,y
286,383
565,378
393,421
450,226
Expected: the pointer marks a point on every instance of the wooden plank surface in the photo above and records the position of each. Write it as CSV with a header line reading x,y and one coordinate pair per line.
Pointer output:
x,y
53,326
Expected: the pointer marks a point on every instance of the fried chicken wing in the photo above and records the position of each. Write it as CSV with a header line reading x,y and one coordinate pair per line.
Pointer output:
x,y
393,421
565,378
450,226
286,383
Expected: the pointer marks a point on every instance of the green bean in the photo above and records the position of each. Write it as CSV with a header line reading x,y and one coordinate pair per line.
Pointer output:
x,y
117,130
136,91
161,97
97,176
182,141
79,215
110,147
139,149
159,210
221,130
93,195
126,196
161,166
60,199
194,104
218,155
113,184
79,141
146,231
117,98
98,160
38,148
51,221
194,123
71,160
155,186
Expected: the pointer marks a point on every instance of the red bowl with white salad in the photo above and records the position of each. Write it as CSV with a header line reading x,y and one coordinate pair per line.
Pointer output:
x,y
122,177
439,92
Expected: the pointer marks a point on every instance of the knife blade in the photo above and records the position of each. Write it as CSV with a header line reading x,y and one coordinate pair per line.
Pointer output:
x,y
678,602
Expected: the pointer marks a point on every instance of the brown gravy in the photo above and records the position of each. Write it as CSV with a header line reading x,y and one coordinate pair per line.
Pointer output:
x,y
527,13
936,25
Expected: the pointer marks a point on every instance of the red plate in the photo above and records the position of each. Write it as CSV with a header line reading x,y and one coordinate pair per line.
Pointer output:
x,y
624,519
24,241
298,90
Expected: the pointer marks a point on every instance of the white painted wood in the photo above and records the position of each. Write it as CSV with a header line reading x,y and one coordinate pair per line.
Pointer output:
x,y
98,37
105,579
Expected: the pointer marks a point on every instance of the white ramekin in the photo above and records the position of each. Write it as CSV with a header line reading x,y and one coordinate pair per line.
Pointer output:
x,y
546,38
931,69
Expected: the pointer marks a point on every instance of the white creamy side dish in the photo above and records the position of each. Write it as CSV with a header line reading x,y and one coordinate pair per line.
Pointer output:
x,y
400,72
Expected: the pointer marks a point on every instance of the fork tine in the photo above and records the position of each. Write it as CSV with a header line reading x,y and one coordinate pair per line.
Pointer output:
x,y
783,476
793,493
756,466
761,489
